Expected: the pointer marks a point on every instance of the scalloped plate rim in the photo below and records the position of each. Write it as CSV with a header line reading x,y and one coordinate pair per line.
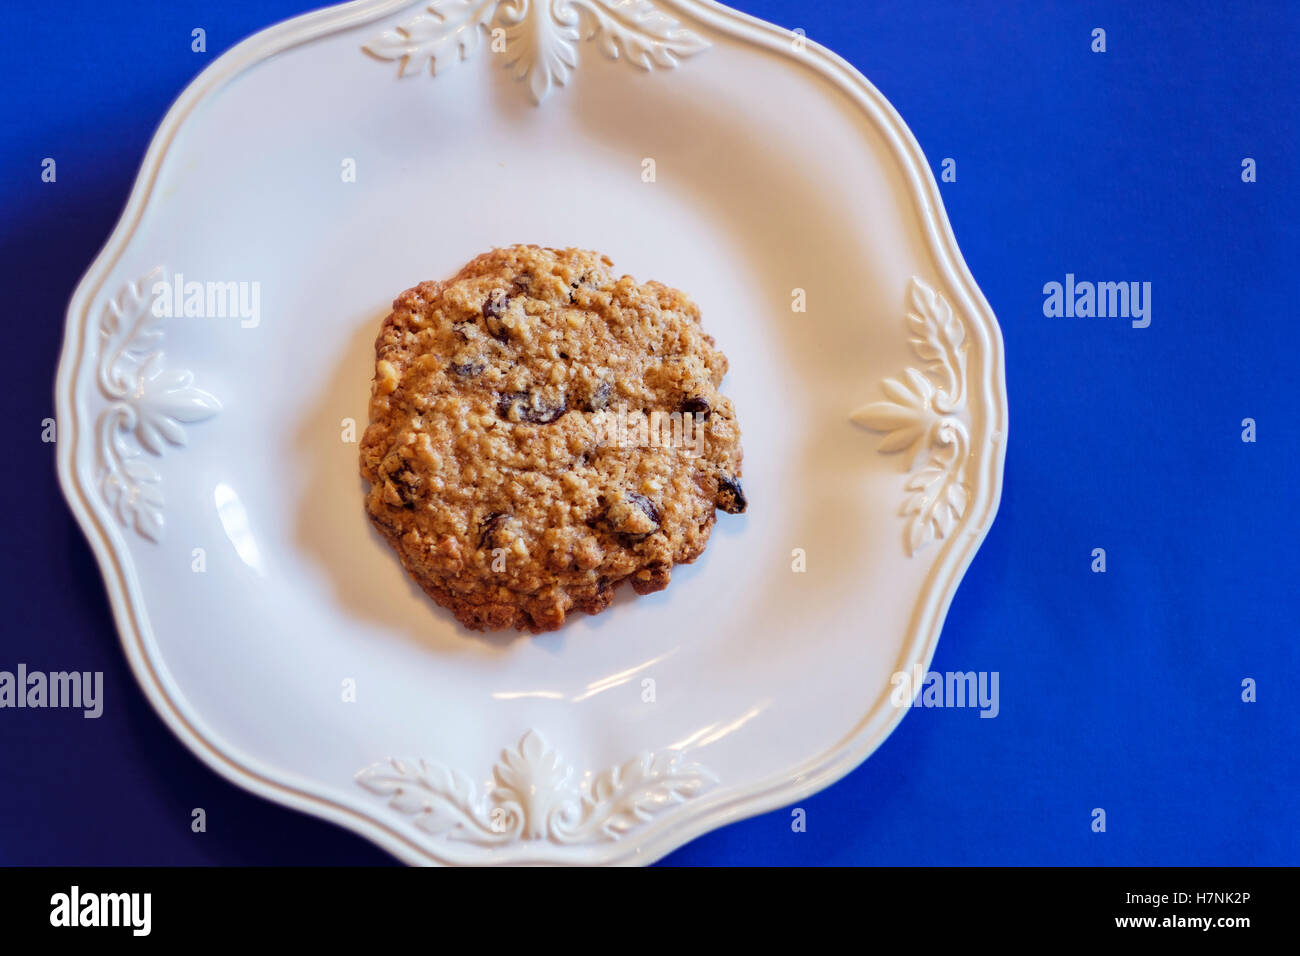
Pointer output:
x,y
956,551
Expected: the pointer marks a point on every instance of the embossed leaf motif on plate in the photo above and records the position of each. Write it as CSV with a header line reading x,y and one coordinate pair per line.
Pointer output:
x,y
925,418
536,795
538,39
150,405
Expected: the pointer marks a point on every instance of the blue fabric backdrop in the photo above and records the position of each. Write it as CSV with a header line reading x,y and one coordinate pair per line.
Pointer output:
x,y
1119,690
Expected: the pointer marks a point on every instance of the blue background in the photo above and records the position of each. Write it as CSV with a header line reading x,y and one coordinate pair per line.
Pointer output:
x,y
1118,690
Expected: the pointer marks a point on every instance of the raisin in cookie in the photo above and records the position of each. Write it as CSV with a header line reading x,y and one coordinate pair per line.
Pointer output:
x,y
542,431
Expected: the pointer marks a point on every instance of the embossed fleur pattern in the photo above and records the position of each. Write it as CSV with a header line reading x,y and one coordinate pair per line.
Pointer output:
x,y
541,36
923,419
149,406
535,795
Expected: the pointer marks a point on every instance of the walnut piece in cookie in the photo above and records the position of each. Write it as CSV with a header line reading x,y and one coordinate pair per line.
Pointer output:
x,y
541,431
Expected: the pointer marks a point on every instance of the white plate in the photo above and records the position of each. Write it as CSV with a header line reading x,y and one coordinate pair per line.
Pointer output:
x,y
206,457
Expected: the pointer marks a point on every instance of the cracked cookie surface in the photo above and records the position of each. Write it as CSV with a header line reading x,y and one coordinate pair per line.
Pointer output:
x,y
541,431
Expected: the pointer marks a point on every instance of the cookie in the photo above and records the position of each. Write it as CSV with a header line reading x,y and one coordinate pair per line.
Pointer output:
x,y
541,431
